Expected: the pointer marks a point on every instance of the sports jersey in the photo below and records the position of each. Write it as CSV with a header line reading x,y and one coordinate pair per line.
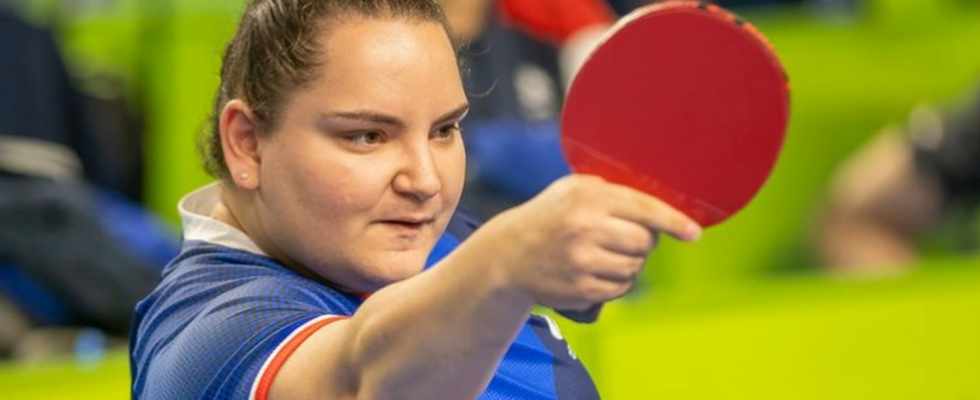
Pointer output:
x,y
226,317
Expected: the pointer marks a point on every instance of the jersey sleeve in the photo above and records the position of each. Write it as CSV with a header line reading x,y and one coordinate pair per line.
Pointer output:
x,y
233,348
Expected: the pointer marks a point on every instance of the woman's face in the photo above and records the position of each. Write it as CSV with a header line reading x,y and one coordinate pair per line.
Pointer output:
x,y
367,165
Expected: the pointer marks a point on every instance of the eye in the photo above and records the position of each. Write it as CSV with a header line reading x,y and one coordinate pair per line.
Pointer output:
x,y
446,132
369,138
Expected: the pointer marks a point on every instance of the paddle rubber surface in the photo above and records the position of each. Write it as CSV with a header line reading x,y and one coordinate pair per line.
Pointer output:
x,y
684,101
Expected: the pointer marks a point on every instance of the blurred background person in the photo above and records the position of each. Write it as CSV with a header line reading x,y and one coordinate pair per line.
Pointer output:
x,y
75,253
905,185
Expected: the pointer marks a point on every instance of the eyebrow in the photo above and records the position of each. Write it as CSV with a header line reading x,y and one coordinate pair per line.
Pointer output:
x,y
454,115
385,119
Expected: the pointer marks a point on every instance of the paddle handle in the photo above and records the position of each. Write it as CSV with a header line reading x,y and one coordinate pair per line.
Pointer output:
x,y
583,317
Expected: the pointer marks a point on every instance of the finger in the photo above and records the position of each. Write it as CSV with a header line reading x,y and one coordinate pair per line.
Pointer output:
x,y
597,290
639,207
626,237
617,268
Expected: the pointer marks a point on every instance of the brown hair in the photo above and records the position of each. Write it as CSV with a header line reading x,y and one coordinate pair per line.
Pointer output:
x,y
275,52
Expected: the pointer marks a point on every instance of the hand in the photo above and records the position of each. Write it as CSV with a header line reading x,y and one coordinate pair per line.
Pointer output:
x,y
583,241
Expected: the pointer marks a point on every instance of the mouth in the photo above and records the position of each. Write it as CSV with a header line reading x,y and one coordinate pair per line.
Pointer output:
x,y
407,227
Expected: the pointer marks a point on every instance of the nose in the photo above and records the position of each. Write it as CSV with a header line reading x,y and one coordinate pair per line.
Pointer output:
x,y
419,177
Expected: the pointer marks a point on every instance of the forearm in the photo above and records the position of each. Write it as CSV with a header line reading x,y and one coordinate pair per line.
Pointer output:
x,y
440,334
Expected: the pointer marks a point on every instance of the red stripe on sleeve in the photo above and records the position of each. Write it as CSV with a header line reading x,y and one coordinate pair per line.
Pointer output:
x,y
279,359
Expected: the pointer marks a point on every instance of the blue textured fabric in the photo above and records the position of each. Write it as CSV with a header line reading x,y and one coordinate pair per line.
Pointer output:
x,y
35,300
219,313
137,229
516,158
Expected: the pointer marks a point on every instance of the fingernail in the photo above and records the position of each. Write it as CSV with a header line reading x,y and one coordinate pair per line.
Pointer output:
x,y
693,233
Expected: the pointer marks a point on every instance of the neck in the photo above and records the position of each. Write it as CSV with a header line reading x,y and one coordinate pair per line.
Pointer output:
x,y
222,212
238,212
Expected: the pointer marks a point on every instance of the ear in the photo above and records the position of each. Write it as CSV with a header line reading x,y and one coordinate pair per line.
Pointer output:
x,y
238,128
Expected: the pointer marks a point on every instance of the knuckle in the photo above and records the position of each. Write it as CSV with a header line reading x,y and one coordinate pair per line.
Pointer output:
x,y
585,291
644,239
637,267
589,179
580,258
579,191
563,187
582,186
578,226
623,291
640,199
595,295
573,198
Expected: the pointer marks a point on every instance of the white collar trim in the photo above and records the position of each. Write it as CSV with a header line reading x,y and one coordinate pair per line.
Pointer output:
x,y
195,209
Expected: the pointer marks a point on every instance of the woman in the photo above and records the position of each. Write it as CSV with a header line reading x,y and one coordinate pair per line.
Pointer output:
x,y
337,145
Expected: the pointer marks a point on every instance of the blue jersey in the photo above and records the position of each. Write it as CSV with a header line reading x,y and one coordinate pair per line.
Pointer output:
x,y
224,319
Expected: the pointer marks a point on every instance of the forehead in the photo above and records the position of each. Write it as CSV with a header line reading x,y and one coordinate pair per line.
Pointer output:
x,y
387,63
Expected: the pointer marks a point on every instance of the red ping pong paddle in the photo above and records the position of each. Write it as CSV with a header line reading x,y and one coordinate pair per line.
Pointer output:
x,y
684,101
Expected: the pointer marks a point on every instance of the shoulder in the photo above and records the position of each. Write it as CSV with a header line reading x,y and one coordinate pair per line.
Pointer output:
x,y
209,280
215,319
213,272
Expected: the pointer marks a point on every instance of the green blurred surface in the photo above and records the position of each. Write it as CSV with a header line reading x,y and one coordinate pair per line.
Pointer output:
x,y
734,316
108,380
906,337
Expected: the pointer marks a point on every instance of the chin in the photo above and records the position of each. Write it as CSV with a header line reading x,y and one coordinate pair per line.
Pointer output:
x,y
390,267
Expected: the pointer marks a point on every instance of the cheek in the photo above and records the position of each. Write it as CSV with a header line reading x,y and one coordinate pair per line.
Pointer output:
x,y
454,175
323,182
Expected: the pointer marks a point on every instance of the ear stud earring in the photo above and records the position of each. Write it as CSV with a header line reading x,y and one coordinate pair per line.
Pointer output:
x,y
243,175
